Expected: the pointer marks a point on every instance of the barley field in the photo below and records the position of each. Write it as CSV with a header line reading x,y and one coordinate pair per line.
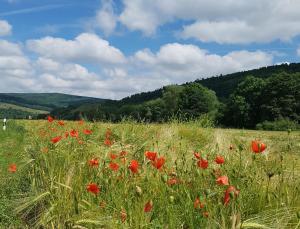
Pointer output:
x,y
59,174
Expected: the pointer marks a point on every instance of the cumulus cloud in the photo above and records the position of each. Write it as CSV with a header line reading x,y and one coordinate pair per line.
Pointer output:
x,y
64,66
86,47
224,21
106,19
5,28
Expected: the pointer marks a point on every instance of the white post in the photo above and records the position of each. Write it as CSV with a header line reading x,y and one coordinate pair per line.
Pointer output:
x,y
4,124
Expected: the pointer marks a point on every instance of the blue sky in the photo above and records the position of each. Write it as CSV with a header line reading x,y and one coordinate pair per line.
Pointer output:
x,y
114,48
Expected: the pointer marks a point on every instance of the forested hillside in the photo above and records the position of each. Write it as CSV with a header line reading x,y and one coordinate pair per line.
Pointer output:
x,y
250,99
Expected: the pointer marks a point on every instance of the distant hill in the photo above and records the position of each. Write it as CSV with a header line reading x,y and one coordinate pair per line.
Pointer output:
x,y
19,105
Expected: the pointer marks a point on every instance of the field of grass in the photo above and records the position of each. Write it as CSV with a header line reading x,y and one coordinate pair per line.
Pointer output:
x,y
85,175
26,109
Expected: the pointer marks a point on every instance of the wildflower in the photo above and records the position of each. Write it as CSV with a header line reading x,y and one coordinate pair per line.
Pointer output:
x,y
93,188
87,132
159,162
172,181
258,147
94,162
205,214
148,206
113,156
113,166
202,163
66,134
230,191
197,155
50,119
107,142
123,153
219,160
12,168
61,123
56,139
123,215
74,133
198,204
134,165
151,155
222,180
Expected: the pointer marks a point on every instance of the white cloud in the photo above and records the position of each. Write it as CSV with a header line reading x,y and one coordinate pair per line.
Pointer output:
x,y
5,28
105,19
224,21
298,51
86,47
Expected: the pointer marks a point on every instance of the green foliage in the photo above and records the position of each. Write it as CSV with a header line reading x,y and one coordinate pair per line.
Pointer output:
x,y
280,124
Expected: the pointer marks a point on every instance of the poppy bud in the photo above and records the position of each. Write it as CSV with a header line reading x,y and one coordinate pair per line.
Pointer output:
x,y
138,190
172,198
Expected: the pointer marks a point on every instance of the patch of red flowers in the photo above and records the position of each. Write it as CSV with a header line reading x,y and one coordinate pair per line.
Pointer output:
x,y
74,133
12,168
219,160
93,188
113,166
230,191
113,156
222,180
197,155
159,162
148,206
50,119
56,139
123,153
198,204
94,162
134,166
61,123
87,132
202,163
151,155
258,147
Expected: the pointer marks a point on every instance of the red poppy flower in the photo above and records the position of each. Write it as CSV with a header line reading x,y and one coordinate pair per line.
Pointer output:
x,y
12,168
94,162
159,162
134,165
219,160
50,119
123,153
113,156
197,155
230,189
202,163
61,123
258,147
107,142
93,188
205,214
222,180
113,166
81,122
87,132
56,139
123,215
74,133
198,204
66,134
148,206
151,155
172,181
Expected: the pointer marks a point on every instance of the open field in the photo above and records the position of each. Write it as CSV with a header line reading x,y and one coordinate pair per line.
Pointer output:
x,y
16,107
97,175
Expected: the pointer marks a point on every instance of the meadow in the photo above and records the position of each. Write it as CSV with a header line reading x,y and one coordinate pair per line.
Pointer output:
x,y
59,174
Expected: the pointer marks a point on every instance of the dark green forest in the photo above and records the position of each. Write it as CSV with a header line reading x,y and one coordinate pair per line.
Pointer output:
x,y
265,98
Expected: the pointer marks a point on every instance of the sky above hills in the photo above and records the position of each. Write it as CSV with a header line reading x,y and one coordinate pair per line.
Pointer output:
x,y
114,48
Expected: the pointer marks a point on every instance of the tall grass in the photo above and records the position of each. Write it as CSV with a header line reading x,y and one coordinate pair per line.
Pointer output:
x,y
268,183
